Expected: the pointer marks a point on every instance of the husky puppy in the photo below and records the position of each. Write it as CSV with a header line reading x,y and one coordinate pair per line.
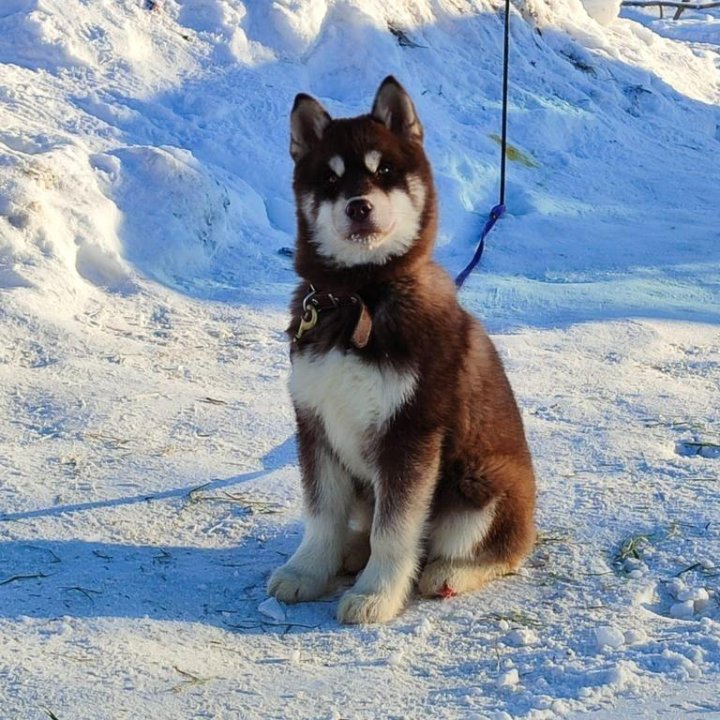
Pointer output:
x,y
411,445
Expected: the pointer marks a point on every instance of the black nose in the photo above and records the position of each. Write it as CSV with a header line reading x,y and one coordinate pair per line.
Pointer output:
x,y
357,210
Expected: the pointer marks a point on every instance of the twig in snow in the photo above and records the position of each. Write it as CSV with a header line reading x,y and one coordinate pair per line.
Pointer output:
x,y
694,566
191,494
558,578
85,591
632,547
163,558
212,401
50,714
192,680
15,578
709,571
549,539
254,505
518,617
248,503
675,424
250,624
244,625
580,64
55,558
402,37
109,441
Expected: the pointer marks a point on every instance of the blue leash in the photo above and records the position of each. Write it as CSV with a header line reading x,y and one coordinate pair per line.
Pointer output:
x,y
497,212
495,215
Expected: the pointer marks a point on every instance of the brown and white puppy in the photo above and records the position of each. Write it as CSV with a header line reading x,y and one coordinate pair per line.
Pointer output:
x,y
411,445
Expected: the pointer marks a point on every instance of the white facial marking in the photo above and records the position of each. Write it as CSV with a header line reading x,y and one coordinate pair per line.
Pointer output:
x,y
351,397
337,165
396,218
307,206
418,193
372,160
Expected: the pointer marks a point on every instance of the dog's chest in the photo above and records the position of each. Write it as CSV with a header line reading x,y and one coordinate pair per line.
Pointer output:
x,y
354,400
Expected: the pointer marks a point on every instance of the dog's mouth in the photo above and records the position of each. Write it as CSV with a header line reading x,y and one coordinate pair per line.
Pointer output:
x,y
363,238
367,235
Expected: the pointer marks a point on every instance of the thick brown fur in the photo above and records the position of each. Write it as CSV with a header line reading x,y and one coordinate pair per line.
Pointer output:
x,y
451,457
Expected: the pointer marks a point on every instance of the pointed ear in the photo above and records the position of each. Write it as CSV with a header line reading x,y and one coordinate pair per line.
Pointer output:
x,y
308,121
394,108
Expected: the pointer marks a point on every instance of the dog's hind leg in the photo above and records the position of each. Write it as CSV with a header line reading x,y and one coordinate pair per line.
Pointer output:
x,y
357,543
446,578
468,547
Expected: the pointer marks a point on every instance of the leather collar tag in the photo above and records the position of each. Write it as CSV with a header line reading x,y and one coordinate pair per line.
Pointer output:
x,y
363,327
317,302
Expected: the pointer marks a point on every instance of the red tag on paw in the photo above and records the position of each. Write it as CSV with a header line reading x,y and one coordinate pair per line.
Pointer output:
x,y
447,592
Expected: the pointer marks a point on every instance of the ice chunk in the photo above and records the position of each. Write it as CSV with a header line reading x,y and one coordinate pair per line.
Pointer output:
x,y
522,637
676,587
635,636
395,658
682,609
609,636
692,594
509,678
273,609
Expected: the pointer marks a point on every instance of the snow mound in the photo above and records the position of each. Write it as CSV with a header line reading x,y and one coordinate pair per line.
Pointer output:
x,y
60,229
44,34
175,213
603,11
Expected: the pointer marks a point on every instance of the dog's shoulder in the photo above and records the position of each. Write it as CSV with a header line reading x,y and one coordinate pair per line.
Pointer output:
x,y
422,311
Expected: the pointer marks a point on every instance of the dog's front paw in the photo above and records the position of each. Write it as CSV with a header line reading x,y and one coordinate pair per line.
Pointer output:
x,y
356,608
293,585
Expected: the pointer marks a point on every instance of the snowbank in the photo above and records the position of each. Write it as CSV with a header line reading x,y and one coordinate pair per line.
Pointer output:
x,y
604,11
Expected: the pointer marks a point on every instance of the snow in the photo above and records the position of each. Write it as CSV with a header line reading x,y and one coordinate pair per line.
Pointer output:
x,y
521,637
148,477
604,11
509,679
608,636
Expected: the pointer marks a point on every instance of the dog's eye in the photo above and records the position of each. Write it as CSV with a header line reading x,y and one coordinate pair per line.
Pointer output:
x,y
331,178
384,170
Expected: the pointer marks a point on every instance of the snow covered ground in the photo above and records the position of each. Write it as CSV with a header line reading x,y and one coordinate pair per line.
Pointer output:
x,y
148,479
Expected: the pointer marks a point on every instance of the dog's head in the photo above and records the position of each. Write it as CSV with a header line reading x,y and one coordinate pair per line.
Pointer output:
x,y
363,185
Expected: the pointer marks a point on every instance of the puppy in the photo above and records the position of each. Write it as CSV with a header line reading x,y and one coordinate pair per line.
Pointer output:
x,y
411,445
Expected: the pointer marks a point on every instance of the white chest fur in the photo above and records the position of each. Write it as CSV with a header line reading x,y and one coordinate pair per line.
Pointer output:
x,y
352,398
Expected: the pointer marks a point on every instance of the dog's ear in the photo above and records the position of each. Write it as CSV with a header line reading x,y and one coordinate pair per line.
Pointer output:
x,y
394,108
308,121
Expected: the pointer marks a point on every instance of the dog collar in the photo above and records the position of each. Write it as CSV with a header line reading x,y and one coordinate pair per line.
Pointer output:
x,y
316,302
